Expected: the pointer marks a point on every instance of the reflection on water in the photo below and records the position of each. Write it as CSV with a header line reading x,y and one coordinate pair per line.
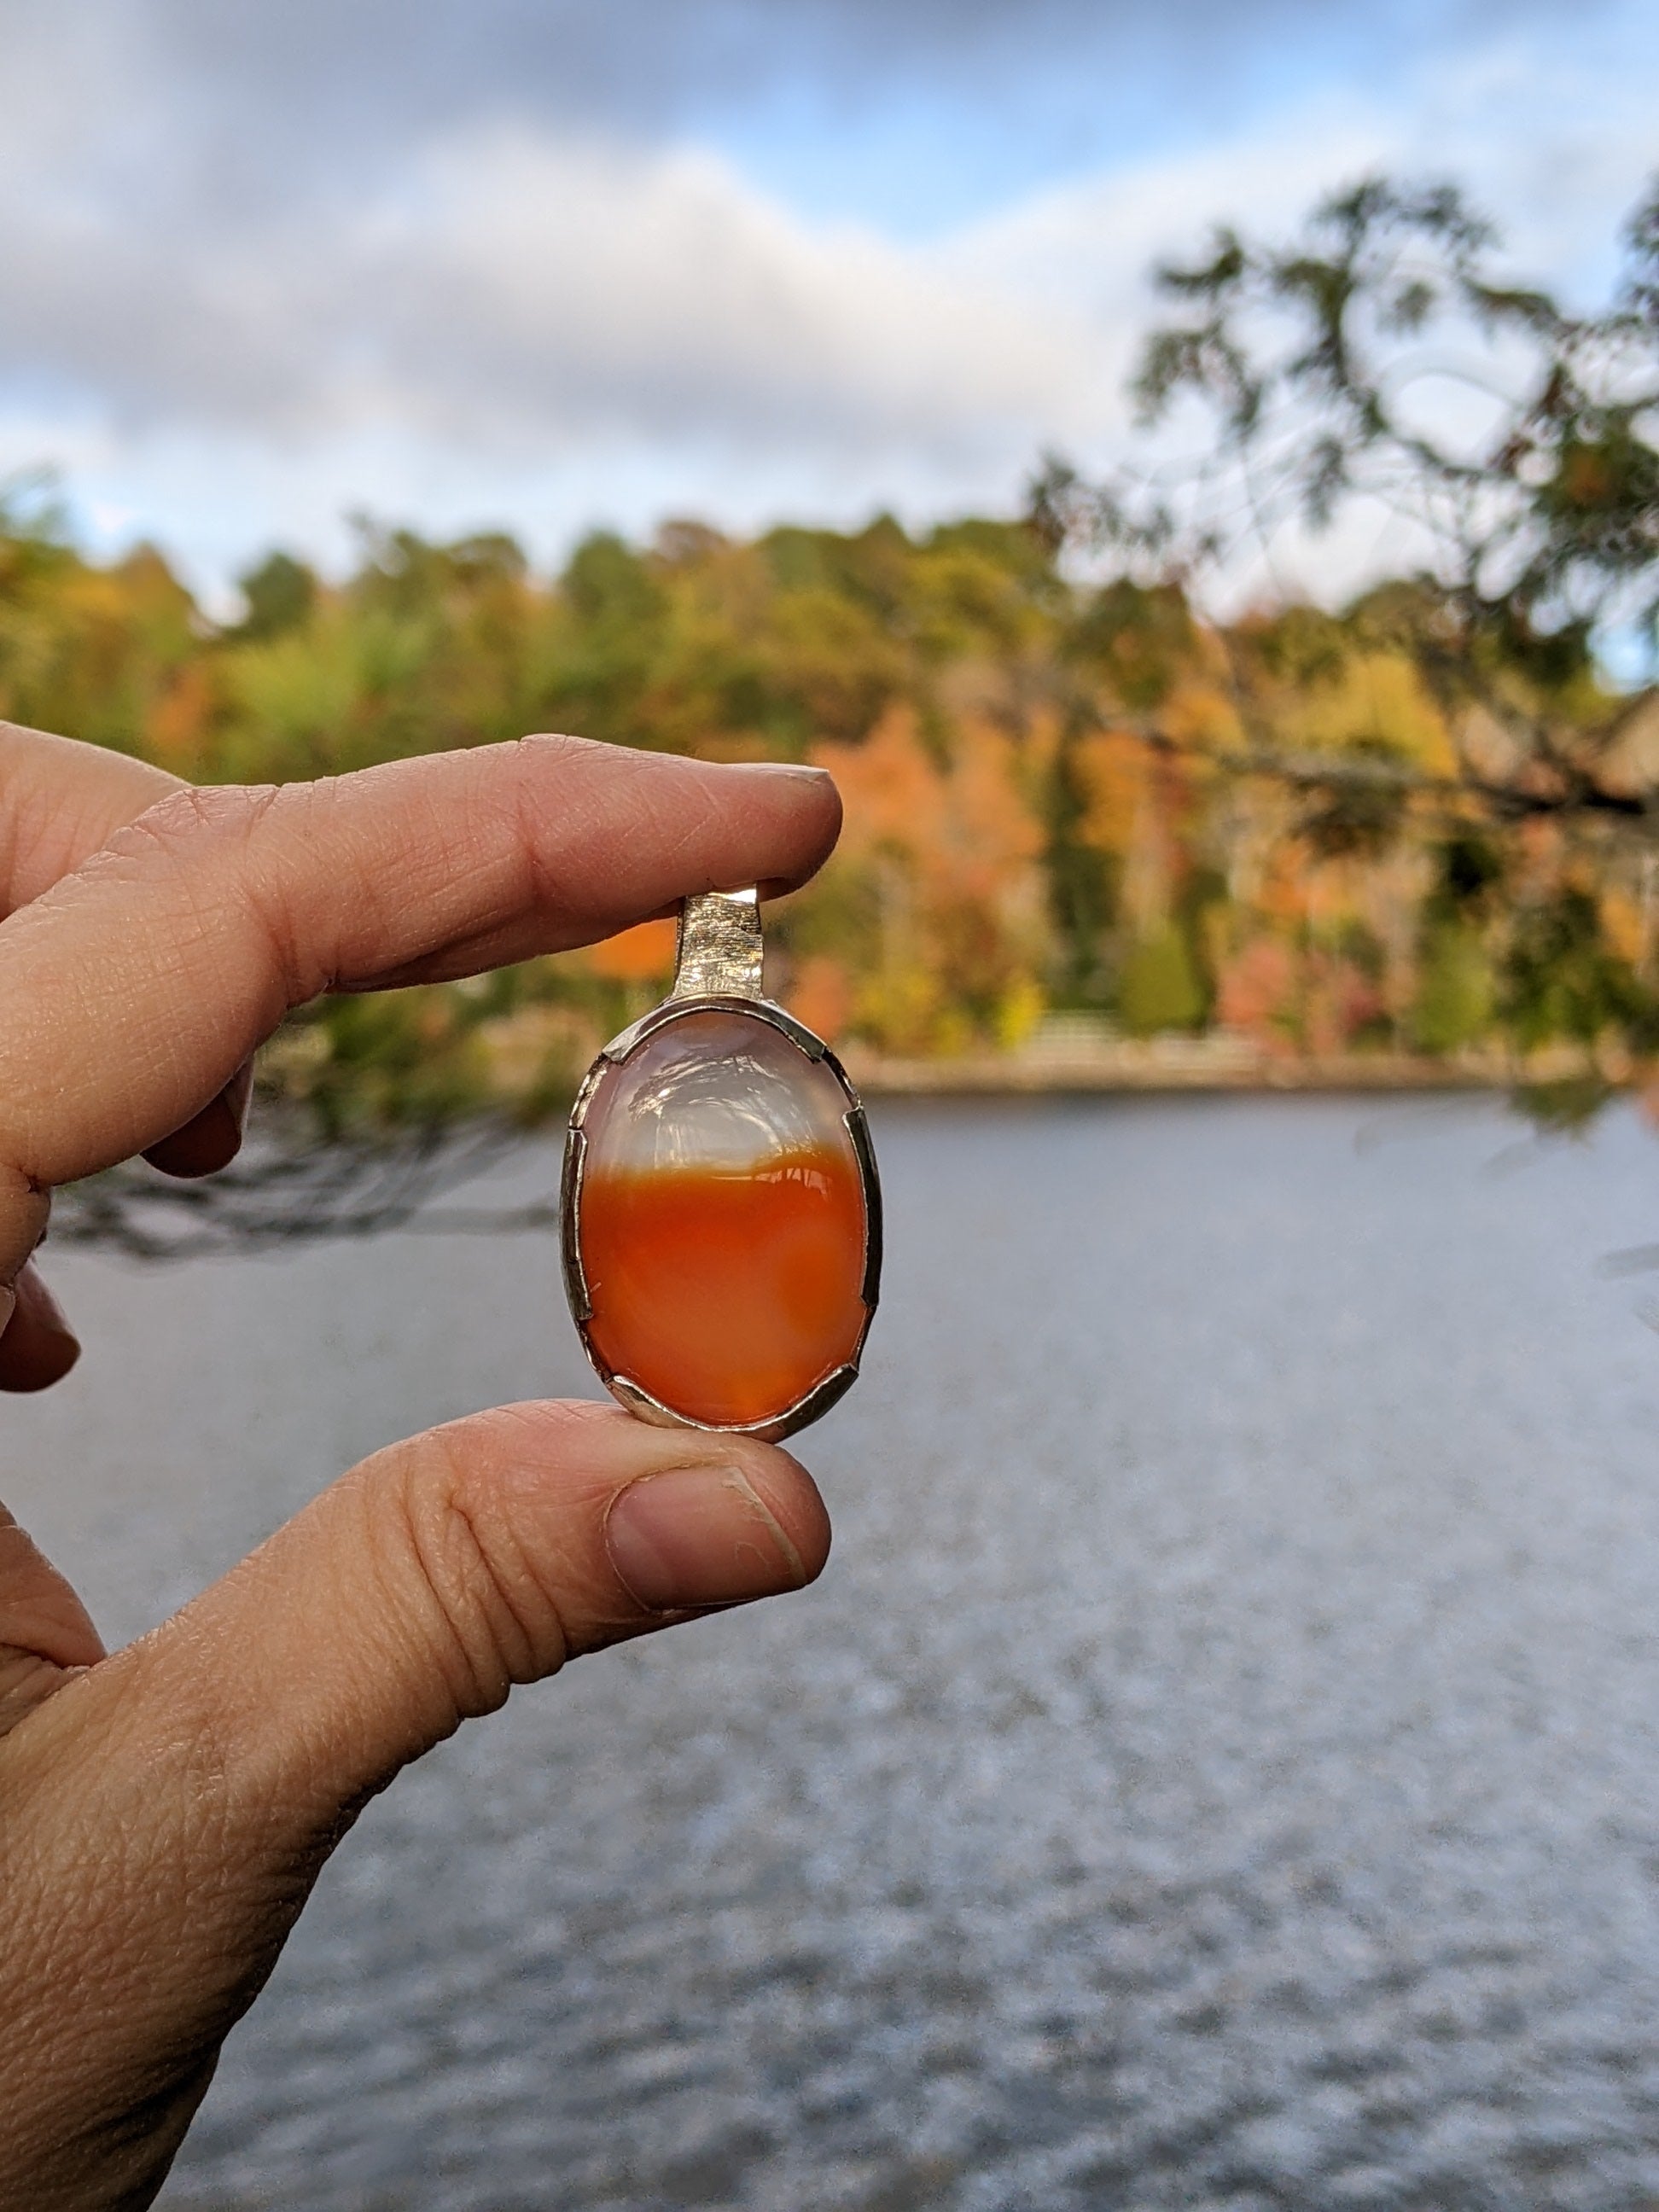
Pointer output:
x,y
1219,1767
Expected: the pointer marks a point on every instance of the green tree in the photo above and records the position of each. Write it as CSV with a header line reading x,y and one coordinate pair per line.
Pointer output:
x,y
280,595
1160,988
1455,990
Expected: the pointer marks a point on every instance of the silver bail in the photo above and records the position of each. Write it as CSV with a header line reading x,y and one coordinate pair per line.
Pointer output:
x,y
718,955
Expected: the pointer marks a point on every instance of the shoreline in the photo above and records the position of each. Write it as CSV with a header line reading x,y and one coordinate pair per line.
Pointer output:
x,y
1194,1066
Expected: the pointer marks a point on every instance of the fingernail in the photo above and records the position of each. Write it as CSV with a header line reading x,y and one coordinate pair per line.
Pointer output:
x,y
236,1094
818,775
698,1536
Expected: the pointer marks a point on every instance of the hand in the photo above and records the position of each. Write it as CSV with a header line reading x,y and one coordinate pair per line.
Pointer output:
x,y
165,1811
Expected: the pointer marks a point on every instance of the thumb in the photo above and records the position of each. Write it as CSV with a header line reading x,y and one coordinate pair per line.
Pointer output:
x,y
418,1590
180,1797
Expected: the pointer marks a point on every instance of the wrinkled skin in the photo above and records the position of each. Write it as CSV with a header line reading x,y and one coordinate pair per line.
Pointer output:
x,y
165,1809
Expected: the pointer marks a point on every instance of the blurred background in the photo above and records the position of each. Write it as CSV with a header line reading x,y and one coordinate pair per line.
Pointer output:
x,y
1194,477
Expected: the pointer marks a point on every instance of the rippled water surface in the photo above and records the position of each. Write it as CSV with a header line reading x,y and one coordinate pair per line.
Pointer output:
x,y
1220,1767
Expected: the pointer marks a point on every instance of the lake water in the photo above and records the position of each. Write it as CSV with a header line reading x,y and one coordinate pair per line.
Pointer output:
x,y
1220,1768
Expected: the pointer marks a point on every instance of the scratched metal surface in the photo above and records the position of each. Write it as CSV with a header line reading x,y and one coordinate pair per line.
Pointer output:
x,y
1219,1769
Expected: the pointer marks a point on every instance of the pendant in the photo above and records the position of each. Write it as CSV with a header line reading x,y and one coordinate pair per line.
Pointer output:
x,y
720,1209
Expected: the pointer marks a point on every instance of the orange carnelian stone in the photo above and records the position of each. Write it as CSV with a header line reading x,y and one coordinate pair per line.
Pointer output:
x,y
726,1296
722,1221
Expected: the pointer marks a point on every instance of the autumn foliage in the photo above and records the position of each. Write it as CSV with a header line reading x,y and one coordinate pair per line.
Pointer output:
x,y
1055,805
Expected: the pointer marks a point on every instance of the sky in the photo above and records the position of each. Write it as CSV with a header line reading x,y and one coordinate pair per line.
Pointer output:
x,y
547,265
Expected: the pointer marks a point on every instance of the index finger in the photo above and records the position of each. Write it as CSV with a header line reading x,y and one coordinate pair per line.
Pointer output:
x,y
132,989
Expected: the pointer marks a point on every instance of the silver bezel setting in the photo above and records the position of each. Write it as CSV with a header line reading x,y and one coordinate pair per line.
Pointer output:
x,y
615,1056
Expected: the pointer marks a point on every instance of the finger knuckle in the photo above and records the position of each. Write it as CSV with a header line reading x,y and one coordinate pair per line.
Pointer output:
x,y
481,1613
211,839
543,745
198,816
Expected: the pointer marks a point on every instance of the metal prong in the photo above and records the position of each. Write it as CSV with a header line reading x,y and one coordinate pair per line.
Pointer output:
x,y
643,1406
570,1210
857,1128
812,1408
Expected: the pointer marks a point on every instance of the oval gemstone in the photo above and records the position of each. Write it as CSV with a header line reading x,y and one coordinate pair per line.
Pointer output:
x,y
721,1224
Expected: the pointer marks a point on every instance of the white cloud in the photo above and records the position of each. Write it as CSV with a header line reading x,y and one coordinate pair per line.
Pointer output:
x,y
595,287
508,321
511,286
